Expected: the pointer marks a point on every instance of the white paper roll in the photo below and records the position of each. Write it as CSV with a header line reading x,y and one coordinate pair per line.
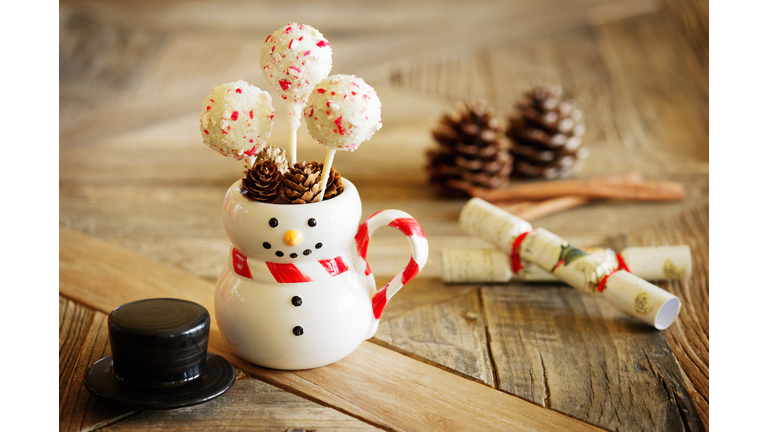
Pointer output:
x,y
645,301
476,266
568,263
657,263
492,224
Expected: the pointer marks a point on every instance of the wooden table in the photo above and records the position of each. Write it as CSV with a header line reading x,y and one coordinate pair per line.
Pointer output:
x,y
140,201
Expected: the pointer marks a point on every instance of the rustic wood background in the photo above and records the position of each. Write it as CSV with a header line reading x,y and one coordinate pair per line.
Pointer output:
x,y
137,186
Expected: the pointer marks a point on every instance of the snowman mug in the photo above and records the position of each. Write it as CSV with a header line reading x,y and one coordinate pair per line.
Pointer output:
x,y
297,291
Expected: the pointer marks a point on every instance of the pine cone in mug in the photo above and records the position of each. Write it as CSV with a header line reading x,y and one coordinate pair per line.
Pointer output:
x,y
263,182
546,135
472,151
302,183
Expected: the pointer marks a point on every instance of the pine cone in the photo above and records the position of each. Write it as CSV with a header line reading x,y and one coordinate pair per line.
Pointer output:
x,y
546,135
263,182
276,155
472,151
302,183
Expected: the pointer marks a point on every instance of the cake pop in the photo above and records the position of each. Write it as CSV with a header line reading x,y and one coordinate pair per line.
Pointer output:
x,y
236,120
294,59
341,113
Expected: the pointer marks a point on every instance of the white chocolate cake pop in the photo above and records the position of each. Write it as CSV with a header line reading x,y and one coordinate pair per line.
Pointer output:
x,y
294,59
237,119
342,112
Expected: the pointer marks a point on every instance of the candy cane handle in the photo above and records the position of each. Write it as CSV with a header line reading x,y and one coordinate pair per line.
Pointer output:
x,y
406,224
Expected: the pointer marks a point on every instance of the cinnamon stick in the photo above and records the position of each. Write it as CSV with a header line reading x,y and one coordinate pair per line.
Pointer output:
x,y
625,187
534,210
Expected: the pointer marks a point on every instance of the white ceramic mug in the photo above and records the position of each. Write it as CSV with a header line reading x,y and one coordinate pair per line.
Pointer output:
x,y
298,292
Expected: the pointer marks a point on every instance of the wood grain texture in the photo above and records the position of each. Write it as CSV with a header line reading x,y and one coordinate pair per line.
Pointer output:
x,y
74,323
450,334
373,383
688,336
249,405
78,409
572,352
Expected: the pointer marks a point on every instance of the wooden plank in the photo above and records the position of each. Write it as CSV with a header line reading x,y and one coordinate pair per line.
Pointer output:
x,y
689,336
450,334
78,409
572,352
375,384
73,328
249,405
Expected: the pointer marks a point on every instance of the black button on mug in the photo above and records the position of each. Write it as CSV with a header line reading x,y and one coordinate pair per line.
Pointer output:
x,y
296,301
298,331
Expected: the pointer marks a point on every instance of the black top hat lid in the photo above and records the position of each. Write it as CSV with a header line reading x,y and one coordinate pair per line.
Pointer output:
x,y
160,357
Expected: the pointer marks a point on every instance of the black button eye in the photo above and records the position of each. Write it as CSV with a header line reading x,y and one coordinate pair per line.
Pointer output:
x,y
273,222
267,245
278,253
312,222
318,246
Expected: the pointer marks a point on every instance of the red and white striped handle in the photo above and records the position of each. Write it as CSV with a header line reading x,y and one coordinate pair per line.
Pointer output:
x,y
419,252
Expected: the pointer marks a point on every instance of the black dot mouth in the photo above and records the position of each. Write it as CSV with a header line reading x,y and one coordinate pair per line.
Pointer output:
x,y
279,253
293,255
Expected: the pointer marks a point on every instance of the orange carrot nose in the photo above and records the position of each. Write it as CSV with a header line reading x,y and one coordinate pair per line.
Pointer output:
x,y
292,237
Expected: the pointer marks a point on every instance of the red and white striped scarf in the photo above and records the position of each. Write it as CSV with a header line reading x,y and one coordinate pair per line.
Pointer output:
x,y
301,271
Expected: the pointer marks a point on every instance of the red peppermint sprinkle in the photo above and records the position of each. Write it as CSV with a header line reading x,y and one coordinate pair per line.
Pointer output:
x,y
333,93
206,131
267,38
224,132
272,116
321,91
249,140
338,125
234,116
208,108
296,69
306,53
323,44
251,114
238,91
285,85
312,112
250,152
302,37
355,84
290,43
288,30
211,100
354,94
273,49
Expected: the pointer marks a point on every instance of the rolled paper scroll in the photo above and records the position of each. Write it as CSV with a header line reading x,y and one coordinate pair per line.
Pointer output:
x,y
492,224
658,263
494,266
569,264
642,300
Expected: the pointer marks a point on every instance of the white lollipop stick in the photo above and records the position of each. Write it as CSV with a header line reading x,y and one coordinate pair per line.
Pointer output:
x,y
292,149
326,170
